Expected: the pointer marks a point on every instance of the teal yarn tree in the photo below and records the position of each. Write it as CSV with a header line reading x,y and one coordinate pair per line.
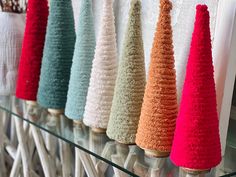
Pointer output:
x,y
130,83
82,62
57,55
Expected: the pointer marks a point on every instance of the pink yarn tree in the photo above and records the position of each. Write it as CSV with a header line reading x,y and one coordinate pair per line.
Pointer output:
x,y
196,143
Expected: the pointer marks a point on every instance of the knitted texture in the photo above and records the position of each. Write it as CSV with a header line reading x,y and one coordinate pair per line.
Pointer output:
x,y
130,83
12,31
57,55
159,109
104,70
32,50
82,63
196,142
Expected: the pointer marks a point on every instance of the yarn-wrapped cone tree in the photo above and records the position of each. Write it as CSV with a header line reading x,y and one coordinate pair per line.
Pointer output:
x,y
82,63
159,109
57,55
32,50
196,142
103,74
130,83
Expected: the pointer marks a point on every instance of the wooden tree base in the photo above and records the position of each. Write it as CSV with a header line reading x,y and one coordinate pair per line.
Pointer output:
x,y
77,122
98,130
156,154
125,144
31,103
56,112
195,171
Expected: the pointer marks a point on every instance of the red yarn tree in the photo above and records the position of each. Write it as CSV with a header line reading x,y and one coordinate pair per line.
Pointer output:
x,y
32,50
196,142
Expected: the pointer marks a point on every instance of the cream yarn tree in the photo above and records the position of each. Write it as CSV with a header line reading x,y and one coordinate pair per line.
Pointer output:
x,y
103,75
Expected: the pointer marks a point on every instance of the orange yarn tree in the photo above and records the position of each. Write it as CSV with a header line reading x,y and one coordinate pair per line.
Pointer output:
x,y
159,109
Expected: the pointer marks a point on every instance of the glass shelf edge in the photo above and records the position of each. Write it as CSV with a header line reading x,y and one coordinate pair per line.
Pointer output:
x,y
69,142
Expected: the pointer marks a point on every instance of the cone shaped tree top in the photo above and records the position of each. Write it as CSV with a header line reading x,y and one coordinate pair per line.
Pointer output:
x,y
103,74
130,83
159,109
82,62
196,142
57,55
32,50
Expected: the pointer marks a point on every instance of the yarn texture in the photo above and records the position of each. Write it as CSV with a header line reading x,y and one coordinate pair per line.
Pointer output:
x,y
12,31
57,55
104,71
82,63
130,83
32,50
159,109
196,142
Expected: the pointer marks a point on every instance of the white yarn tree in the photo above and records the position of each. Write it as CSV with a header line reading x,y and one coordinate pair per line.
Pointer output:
x,y
104,70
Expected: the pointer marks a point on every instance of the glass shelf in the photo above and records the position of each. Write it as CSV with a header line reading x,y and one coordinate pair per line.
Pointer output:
x,y
231,136
231,139
95,144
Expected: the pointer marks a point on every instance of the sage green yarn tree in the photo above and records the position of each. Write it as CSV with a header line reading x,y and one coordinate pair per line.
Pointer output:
x,y
82,63
130,83
103,74
57,55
